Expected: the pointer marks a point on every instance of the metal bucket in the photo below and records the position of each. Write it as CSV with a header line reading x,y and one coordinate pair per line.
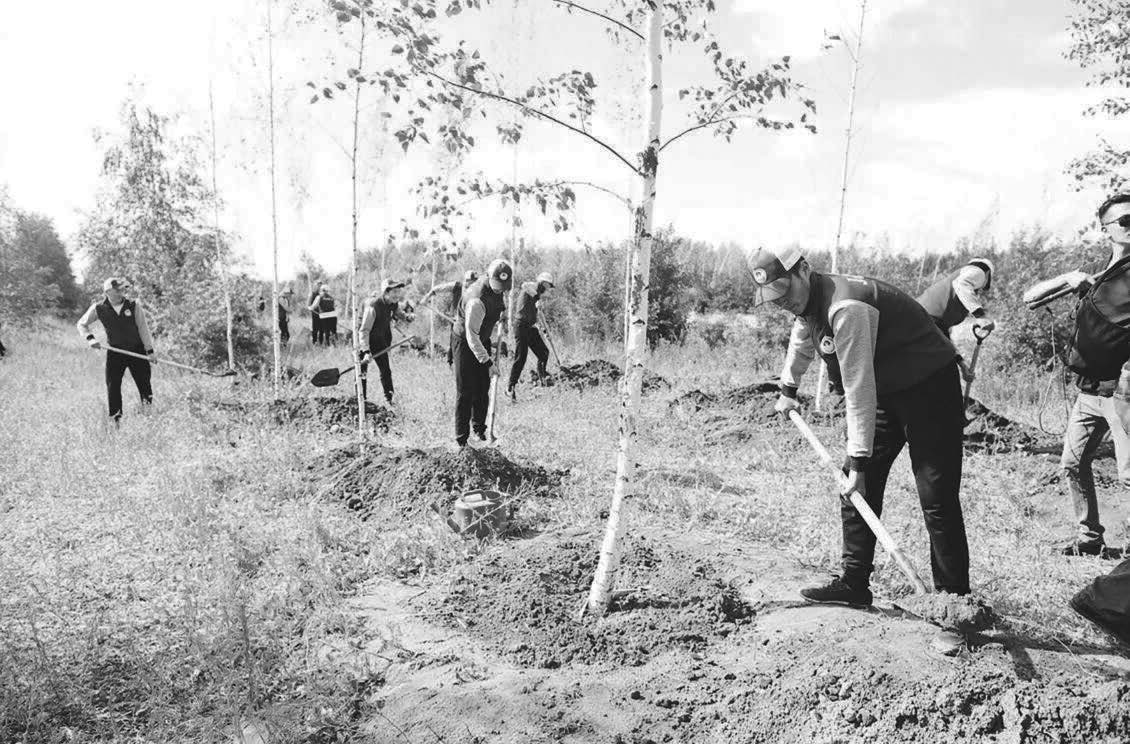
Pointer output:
x,y
480,513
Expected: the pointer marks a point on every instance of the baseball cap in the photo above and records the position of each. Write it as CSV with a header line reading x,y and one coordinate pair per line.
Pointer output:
x,y
770,272
388,284
470,275
500,274
546,277
114,282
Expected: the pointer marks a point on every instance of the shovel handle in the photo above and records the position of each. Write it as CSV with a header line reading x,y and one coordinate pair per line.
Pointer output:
x,y
153,360
431,309
861,506
972,368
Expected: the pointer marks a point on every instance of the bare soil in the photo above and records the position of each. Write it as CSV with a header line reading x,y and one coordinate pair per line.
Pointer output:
x,y
711,645
601,372
326,411
415,480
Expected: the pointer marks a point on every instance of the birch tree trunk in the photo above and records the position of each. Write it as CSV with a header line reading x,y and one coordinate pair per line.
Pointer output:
x,y
355,321
844,179
220,259
636,341
432,316
276,340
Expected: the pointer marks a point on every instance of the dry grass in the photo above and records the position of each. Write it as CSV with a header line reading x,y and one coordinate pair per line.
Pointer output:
x,y
164,581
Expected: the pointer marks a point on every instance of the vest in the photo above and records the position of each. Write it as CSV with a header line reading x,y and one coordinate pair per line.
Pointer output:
x,y
380,335
527,312
121,330
456,294
1101,344
943,304
909,346
492,301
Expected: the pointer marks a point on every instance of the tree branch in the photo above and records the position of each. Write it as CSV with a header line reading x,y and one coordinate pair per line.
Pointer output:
x,y
710,123
710,120
626,201
583,9
529,110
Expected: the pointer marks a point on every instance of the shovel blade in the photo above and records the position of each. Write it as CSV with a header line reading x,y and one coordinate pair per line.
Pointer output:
x,y
326,377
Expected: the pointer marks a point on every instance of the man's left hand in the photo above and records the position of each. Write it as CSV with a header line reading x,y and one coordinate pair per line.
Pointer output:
x,y
853,482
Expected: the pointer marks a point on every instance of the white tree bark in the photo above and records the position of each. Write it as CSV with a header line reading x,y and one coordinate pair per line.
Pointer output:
x,y
275,338
636,341
355,319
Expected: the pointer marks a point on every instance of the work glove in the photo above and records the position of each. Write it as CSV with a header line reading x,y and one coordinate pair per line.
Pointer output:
x,y
93,342
149,352
786,404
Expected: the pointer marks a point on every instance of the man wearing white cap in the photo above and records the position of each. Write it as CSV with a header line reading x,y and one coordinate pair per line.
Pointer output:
x,y
482,305
526,330
901,387
453,291
960,295
376,333
126,329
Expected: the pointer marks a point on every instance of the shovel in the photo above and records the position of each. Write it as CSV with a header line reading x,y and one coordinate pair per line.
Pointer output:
x,y
330,377
492,404
225,373
980,334
549,338
861,506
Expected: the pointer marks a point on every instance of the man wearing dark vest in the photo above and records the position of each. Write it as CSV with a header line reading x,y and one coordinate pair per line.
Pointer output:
x,y
315,321
284,315
957,296
322,307
454,292
376,333
125,327
1100,359
480,307
526,332
901,387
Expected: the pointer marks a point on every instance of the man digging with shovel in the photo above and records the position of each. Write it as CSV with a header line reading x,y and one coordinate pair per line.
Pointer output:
x,y
454,292
376,334
958,296
901,387
526,334
480,308
125,327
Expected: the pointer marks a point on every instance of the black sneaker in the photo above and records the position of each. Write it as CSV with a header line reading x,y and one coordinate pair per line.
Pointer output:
x,y
1082,606
1076,548
837,591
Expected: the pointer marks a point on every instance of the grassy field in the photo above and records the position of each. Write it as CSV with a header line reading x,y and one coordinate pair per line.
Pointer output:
x,y
177,577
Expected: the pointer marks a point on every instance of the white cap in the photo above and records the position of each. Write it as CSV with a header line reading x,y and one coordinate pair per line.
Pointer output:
x,y
545,277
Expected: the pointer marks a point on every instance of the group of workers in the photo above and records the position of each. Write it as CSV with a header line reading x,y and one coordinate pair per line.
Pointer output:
x,y
890,357
888,354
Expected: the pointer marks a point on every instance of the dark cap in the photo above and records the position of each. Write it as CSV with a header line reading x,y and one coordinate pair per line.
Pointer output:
x,y
501,275
770,271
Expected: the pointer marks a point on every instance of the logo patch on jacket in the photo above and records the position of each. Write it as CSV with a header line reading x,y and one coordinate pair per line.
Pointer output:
x,y
126,312
827,345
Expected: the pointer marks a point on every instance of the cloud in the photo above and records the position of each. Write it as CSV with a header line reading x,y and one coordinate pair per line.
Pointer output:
x,y
798,28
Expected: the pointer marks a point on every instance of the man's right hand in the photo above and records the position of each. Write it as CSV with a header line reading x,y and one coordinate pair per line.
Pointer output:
x,y
1076,279
967,374
94,344
786,404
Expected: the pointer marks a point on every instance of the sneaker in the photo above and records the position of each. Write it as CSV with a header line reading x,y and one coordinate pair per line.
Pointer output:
x,y
837,591
1076,548
512,395
481,435
1082,605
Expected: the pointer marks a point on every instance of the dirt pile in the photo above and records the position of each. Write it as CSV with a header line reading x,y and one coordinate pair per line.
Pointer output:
x,y
991,433
600,372
326,411
847,699
950,611
525,600
415,480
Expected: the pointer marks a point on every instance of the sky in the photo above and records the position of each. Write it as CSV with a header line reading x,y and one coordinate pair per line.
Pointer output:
x,y
966,114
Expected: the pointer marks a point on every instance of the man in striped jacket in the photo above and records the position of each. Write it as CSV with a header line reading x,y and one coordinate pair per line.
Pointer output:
x,y
126,329
901,387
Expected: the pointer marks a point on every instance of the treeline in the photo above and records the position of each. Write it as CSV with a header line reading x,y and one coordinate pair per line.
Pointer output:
x,y
35,269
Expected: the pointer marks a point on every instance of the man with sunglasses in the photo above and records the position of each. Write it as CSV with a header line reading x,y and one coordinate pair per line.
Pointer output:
x,y
901,387
1100,358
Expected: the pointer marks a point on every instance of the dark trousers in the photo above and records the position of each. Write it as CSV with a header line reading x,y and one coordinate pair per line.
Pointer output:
x,y
472,392
139,369
529,339
329,331
386,376
1109,598
929,418
284,330
316,332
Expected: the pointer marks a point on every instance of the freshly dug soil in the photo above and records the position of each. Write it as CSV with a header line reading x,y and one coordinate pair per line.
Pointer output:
x,y
415,480
755,393
991,433
598,372
326,411
950,611
524,599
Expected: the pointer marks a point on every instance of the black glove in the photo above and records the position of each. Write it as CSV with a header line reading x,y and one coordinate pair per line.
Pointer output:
x,y
149,352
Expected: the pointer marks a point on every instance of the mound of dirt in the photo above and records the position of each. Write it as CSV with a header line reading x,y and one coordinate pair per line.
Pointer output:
x,y
525,600
755,393
598,372
950,611
326,411
415,480
991,433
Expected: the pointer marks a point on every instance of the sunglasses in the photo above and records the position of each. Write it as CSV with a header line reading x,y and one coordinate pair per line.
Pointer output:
x,y
1123,222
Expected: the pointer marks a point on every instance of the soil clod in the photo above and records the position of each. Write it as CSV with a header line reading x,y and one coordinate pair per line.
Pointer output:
x,y
962,614
525,600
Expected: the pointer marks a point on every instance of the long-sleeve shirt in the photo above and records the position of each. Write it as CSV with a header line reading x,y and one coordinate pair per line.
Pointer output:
x,y
91,316
376,323
878,339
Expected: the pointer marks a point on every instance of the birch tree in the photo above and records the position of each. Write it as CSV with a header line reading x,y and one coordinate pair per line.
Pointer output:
x,y
425,74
